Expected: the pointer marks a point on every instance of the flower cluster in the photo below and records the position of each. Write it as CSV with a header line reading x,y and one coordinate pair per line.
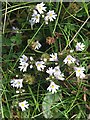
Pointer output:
x,y
56,73
71,60
39,12
23,63
18,84
79,70
44,65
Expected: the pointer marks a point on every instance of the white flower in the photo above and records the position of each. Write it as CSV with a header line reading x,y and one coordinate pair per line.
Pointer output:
x,y
50,71
35,17
37,45
23,105
23,66
50,16
40,7
17,83
80,46
69,59
53,87
24,58
57,70
40,65
80,72
58,74
53,57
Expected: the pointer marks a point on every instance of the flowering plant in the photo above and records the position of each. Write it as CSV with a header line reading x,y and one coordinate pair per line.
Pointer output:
x,y
48,72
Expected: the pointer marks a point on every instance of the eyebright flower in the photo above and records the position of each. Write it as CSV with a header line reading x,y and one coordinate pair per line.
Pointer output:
x,y
40,7
58,74
23,66
53,57
50,71
79,72
57,70
69,59
24,105
50,16
53,87
35,17
24,58
40,65
80,46
17,83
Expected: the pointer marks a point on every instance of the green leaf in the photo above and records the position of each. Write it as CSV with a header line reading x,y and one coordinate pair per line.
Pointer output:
x,y
16,39
6,41
48,105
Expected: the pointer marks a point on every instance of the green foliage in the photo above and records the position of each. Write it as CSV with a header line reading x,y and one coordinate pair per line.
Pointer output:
x,y
70,27
16,39
49,110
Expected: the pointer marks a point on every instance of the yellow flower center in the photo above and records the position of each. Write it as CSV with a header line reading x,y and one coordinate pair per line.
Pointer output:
x,y
52,86
79,71
22,105
38,64
69,59
36,17
25,59
51,15
54,57
18,82
40,7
